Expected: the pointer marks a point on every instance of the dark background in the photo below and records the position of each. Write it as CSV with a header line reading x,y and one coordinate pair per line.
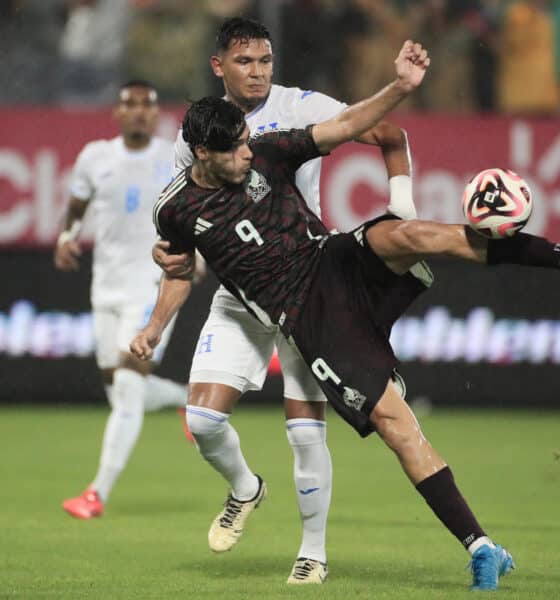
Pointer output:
x,y
509,292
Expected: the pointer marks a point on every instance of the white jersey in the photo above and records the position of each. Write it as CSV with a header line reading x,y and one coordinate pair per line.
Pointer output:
x,y
285,108
122,186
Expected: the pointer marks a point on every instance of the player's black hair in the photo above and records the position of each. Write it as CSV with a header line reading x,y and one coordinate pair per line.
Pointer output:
x,y
213,123
242,29
137,83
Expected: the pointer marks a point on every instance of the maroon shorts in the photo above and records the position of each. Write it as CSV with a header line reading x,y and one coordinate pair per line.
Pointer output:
x,y
343,329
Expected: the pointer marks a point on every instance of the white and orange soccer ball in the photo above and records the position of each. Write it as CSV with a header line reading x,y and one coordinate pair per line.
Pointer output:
x,y
497,203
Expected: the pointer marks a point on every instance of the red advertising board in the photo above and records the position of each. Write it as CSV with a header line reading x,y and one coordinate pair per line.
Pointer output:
x,y
38,147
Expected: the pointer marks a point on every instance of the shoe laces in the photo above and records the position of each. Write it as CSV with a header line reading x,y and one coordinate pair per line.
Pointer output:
x,y
232,508
303,567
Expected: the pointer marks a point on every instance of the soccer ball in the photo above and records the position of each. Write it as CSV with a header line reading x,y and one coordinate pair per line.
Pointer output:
x,y
497,203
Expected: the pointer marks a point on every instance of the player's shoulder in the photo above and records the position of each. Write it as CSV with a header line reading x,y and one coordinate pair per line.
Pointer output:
x,y
297,95
163,142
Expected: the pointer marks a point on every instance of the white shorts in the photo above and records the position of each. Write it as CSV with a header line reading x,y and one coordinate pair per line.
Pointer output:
x,y
115,327
234,349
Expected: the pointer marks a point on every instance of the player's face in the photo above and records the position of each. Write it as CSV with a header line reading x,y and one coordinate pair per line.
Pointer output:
x,y
137,113
232,167
246,68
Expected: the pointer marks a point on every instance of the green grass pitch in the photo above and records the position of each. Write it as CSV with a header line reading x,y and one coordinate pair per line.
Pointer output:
x,y
383,541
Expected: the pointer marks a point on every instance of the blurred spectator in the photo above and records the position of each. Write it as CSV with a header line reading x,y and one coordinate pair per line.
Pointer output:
x,y
441,25
484,23
527,77
91,50
369,34
29,32
171,41
308,45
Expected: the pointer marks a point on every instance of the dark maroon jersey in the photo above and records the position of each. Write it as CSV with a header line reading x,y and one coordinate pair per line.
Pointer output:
x,y
259,237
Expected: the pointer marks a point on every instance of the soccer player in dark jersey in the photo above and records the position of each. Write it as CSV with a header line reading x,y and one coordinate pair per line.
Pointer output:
x,y
234,349
334,297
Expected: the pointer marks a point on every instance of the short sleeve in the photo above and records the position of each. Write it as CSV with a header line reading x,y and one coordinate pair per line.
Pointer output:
x,y
167,227
292,147
81,183
183,154
314,107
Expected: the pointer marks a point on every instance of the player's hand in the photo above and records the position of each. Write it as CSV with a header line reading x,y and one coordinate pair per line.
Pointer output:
x,y
143,345
66,256
411,65
174,265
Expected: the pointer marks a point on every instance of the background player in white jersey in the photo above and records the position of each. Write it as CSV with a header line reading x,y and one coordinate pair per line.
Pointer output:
x,y
234,349
119,180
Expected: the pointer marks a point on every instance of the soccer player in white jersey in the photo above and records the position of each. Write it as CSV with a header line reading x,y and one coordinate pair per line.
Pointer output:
x,y
234,349
118,180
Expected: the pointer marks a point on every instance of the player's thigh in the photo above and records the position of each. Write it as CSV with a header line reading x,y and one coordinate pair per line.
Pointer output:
x,y
105,324
233,349
303,398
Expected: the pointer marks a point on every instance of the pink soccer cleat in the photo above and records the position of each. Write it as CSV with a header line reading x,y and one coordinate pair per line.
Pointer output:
x,y
86,506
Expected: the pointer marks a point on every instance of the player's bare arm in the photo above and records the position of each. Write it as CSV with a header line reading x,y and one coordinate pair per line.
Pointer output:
x,y
174,265
173,293
68,251
178,265
393,143
410,65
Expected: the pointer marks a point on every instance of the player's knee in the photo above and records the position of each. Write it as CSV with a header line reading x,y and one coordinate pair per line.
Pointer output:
x,y
128,391
402,439
306,432
205,422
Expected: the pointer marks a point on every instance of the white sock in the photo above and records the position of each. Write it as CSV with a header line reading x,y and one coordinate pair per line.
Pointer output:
x,y
122,429
218,443
401,202
163,392
313,480
481,541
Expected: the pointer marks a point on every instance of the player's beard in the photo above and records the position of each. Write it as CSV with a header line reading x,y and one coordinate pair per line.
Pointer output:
x,y
138,138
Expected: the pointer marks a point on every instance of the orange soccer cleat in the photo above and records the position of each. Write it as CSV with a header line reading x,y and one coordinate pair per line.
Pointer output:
x,y
86,506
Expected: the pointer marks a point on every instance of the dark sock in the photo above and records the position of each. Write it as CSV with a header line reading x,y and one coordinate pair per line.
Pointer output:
x,y
524,249
444,498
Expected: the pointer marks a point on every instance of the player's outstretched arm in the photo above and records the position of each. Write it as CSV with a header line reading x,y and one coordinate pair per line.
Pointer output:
x,y
68,251
410,65
173,292
393,142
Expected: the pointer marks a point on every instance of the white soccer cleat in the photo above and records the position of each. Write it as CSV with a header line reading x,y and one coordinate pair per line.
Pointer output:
x,y
307,570
227,527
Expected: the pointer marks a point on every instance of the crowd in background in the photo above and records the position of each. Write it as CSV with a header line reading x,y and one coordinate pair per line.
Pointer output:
x,y
487,55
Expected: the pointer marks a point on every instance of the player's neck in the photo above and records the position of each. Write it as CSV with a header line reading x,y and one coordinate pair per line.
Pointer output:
x,y
136,142
203,178
247,106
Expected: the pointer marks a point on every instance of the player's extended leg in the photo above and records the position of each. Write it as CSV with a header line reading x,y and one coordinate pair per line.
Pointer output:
x,y
208,411
304,406
132,382
307,434
121,433
398,428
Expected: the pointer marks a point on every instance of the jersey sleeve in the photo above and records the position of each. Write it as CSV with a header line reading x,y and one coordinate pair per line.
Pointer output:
x,y
167,227
314,107
183,154
81,182
292,147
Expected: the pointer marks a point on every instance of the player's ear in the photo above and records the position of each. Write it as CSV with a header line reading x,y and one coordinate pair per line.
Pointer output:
x,y
200,152
216,64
